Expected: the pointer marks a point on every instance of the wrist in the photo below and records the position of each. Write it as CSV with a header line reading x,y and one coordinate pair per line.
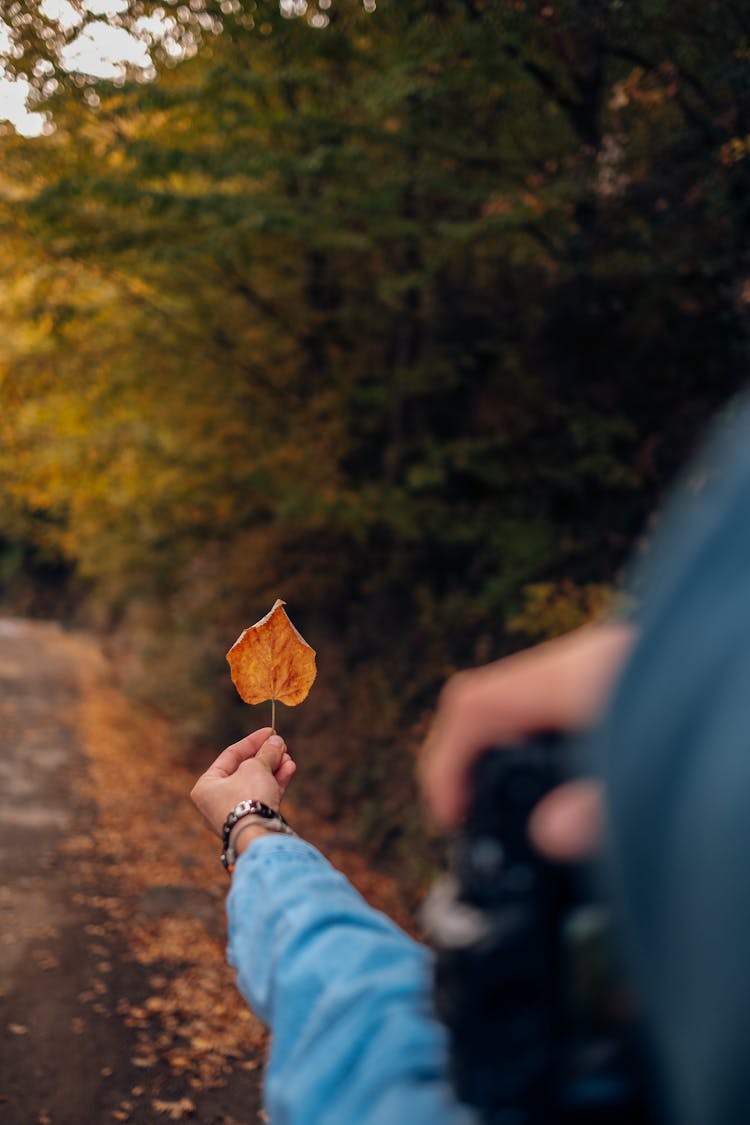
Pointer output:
x,y
249,812
246,833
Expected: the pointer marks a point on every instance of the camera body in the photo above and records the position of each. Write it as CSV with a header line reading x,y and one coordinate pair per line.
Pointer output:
x,y
527,981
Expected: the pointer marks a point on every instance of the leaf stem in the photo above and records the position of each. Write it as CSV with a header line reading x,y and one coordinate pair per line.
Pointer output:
x,y
273,715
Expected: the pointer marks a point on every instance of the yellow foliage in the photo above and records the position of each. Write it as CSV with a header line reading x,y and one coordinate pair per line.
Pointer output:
x,y
552,608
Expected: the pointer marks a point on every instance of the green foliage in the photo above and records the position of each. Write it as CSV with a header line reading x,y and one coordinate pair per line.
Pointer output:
x,y
394,318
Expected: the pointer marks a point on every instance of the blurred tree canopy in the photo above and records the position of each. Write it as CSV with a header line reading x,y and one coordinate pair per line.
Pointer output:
x,y
395,312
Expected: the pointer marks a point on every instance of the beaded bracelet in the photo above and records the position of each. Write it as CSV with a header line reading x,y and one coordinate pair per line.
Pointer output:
x,y
271,818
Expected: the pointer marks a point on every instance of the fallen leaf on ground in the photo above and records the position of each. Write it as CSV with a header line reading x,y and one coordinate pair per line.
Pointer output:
x,y
270,660
144,1061
175,1110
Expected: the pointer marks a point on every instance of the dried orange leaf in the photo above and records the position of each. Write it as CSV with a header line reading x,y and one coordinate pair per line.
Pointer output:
x,y
270,660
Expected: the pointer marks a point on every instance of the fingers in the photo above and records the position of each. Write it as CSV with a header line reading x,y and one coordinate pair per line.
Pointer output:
x,y
467,721
560,685
229,761
567,824
271,752
489,707
285,772
263,771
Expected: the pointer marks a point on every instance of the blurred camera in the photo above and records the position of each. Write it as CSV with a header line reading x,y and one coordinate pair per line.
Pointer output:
x,y
527,980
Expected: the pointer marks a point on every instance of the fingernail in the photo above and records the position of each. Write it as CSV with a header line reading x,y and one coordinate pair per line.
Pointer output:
x,y
275,740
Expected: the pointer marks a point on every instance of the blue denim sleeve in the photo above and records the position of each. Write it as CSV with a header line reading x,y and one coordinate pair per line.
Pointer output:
x,y
345,992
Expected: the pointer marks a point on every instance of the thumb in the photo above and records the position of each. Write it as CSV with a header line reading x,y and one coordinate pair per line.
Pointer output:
x,y
271,752
567,824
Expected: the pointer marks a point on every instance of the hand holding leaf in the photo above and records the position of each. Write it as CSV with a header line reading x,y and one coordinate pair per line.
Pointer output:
x,y
270,660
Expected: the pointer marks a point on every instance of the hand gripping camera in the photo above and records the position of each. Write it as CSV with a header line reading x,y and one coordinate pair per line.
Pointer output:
x,y
541,1024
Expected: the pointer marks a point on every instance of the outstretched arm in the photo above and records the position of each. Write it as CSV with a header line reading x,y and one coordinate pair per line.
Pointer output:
x,y
345,992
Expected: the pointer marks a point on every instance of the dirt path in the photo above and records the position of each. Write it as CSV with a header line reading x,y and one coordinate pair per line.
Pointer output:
x,y
115,1004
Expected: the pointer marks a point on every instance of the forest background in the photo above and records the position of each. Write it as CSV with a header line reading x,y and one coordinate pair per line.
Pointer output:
x,y
405,313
